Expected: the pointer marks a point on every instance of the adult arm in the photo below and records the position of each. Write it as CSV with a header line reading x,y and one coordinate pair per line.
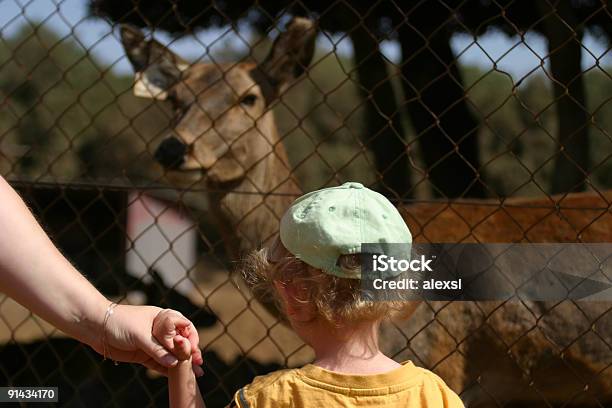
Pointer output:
x,y
36,274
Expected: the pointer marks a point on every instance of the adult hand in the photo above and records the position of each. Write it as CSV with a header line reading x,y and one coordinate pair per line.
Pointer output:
x,y
129,338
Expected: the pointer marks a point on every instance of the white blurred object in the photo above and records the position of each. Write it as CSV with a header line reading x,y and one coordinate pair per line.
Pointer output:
x,y
160,238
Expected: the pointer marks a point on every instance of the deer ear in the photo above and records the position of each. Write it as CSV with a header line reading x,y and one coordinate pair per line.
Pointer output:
x,y
289,57
157,68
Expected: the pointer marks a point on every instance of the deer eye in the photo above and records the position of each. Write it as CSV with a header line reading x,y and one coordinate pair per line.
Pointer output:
x,y
248,100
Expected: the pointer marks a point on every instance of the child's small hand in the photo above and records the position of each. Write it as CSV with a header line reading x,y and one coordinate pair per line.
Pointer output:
x,y
167,326
182,348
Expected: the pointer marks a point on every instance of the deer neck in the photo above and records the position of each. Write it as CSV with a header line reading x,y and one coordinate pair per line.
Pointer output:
x,y
249,214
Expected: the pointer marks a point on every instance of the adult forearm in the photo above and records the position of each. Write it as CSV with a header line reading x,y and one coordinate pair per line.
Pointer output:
x,y
35,274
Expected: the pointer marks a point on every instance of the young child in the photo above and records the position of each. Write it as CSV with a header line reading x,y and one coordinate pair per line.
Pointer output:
x,y
313,272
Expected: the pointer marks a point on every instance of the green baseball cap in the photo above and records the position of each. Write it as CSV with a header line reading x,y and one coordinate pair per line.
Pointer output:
x,y
322,225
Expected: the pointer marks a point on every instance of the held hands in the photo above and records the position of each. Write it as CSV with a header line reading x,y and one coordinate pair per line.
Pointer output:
x,y
178,336
146,335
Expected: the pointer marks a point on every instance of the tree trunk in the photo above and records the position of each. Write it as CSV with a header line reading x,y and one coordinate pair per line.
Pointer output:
x,y
383,132
446,128
564,38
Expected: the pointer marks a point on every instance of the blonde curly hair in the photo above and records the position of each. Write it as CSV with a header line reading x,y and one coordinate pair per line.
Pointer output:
x,y
338,301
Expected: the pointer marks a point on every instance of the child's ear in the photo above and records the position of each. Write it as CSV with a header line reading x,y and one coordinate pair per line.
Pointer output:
x,y
285,294
296,309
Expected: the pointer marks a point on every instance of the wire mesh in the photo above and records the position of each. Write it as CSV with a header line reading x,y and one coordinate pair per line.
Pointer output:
x,y
484,121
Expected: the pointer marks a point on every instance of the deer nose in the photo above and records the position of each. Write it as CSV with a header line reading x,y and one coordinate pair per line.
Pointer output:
x,y
171,153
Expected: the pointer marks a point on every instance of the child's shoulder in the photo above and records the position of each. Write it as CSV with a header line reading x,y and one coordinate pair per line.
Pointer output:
x,y
437,388
274,378
429,375
432,377
272,383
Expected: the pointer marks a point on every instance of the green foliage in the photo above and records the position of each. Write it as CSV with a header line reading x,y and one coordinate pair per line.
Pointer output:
x,y
66,118
518,128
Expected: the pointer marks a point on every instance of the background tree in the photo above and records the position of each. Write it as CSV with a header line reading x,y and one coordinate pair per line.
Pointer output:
x,y
64,116
563,24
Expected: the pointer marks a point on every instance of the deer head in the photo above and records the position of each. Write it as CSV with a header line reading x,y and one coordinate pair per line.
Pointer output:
x,y
223,125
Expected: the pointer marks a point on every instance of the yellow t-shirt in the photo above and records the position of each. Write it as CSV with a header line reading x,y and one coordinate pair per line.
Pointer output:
x,y
315,387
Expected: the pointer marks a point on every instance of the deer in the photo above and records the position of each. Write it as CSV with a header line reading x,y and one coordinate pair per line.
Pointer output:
x,y
224,134
225,129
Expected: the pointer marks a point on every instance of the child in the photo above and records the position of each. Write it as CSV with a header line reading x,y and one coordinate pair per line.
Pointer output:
x,y
313,271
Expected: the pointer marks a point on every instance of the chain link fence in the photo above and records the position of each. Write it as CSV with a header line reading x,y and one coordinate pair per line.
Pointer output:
x,y
158,141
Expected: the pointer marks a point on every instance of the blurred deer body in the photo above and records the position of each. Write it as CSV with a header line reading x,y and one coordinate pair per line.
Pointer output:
x,y
225,134
522,353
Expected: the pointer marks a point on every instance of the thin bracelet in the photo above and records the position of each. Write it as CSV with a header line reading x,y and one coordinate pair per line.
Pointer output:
x,y
109,312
